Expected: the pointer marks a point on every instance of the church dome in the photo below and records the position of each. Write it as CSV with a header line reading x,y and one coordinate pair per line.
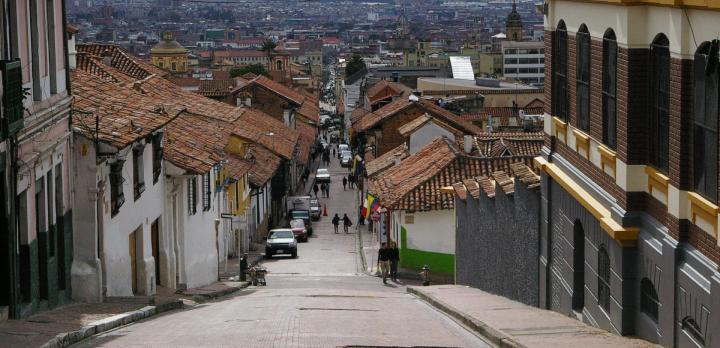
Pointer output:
x,y
168,45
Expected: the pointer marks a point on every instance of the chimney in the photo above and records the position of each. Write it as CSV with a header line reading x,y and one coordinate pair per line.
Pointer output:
x,y
468,143
107,57
398,158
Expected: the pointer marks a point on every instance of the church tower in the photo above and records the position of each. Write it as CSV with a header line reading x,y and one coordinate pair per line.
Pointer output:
x,y
513,25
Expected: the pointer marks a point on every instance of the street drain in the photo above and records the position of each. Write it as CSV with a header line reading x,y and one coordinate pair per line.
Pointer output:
x,y
337,309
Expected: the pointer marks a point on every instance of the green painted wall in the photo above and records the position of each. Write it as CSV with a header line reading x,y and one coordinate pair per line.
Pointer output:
x,y
415,259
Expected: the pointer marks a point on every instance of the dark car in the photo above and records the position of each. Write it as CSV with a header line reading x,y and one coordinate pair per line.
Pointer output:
x,y
298,228
305,216
280,241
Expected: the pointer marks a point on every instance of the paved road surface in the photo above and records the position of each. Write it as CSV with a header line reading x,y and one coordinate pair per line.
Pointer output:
x,y
320,299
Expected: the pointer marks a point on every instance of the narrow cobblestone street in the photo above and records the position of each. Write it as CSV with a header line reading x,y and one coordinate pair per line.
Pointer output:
x,y
320,299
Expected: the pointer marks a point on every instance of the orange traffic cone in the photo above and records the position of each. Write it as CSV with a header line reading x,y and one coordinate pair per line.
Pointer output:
x,y
324,209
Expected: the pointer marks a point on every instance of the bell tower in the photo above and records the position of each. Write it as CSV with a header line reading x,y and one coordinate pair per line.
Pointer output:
x,y
513,25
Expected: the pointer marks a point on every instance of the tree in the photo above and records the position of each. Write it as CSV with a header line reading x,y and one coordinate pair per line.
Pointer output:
x,y
268,46
354,65
257,69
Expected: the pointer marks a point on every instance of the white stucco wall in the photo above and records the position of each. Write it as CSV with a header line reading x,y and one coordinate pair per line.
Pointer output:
x,y
133,215
427,134
200,256
430,231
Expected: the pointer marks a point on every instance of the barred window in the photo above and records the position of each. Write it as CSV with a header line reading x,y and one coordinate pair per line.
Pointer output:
x,y
117,198
604,278
138,172
207,193
192,196
559,83
659,109
582,39
157,156
705,129
649,302
609,91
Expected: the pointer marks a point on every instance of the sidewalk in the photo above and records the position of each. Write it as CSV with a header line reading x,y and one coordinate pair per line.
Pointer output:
x,y
507,323
70,324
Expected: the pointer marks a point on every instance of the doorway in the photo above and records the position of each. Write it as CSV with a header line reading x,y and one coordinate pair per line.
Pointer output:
x,y
133,248
154,230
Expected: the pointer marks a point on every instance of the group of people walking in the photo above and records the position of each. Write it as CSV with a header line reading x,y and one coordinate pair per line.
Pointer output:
x,y
345,220
324,187
349,180
388,258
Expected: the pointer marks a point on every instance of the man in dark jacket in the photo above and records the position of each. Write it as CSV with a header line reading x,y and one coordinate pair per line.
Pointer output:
x,y
394,260
384,256
336,222
346,222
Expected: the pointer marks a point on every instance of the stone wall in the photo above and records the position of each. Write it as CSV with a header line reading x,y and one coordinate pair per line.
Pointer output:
x,y
494,255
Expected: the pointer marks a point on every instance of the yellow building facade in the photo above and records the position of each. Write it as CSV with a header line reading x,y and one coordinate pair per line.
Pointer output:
x,y
169,55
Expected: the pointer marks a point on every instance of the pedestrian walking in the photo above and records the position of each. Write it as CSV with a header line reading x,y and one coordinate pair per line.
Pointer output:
x,y
346,222
361,218
345,181
322,189
333,151
351,180
384,261
336,222
327,190
394,260
315,189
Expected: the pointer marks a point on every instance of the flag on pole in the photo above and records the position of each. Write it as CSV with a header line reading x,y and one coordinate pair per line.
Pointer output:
x,y
368,205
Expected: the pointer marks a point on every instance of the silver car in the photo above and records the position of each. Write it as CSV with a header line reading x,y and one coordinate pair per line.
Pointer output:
x,y
281,241
322,175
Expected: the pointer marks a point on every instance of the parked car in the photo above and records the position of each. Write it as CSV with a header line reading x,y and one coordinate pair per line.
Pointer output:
x,y
315,208
305,216
322,175
280,241
343,147
298,229
346,160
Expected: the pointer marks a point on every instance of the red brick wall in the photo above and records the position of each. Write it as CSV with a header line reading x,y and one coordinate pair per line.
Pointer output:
x,y
681,108
633,74
548,71
704,242
391,138
268,102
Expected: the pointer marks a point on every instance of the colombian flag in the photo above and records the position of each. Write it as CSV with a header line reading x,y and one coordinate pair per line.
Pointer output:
x,y
371,205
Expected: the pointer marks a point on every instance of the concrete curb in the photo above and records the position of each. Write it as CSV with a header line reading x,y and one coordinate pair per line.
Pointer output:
x,y
497,337
217,294
66,339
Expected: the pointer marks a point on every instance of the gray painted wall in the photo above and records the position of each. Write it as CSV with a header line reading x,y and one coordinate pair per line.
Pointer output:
x,y
494,255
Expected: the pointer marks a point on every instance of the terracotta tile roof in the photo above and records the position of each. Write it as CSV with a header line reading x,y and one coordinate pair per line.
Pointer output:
x,y
487,185
194,142
121,60
216,88
306,141
221,75
517,144
264,164
416,183
357,114
385,161
272,134
472,187
124,115
237,166
413,125
384,89
277,88
370,120
310,111
460,190
504,113
185,81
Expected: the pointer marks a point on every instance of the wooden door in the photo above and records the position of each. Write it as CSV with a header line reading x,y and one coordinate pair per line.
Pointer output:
x,y
154,230
133,262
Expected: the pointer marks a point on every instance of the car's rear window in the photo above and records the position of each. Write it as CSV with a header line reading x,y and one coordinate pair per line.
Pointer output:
x,y
297,223
299,214
281,234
